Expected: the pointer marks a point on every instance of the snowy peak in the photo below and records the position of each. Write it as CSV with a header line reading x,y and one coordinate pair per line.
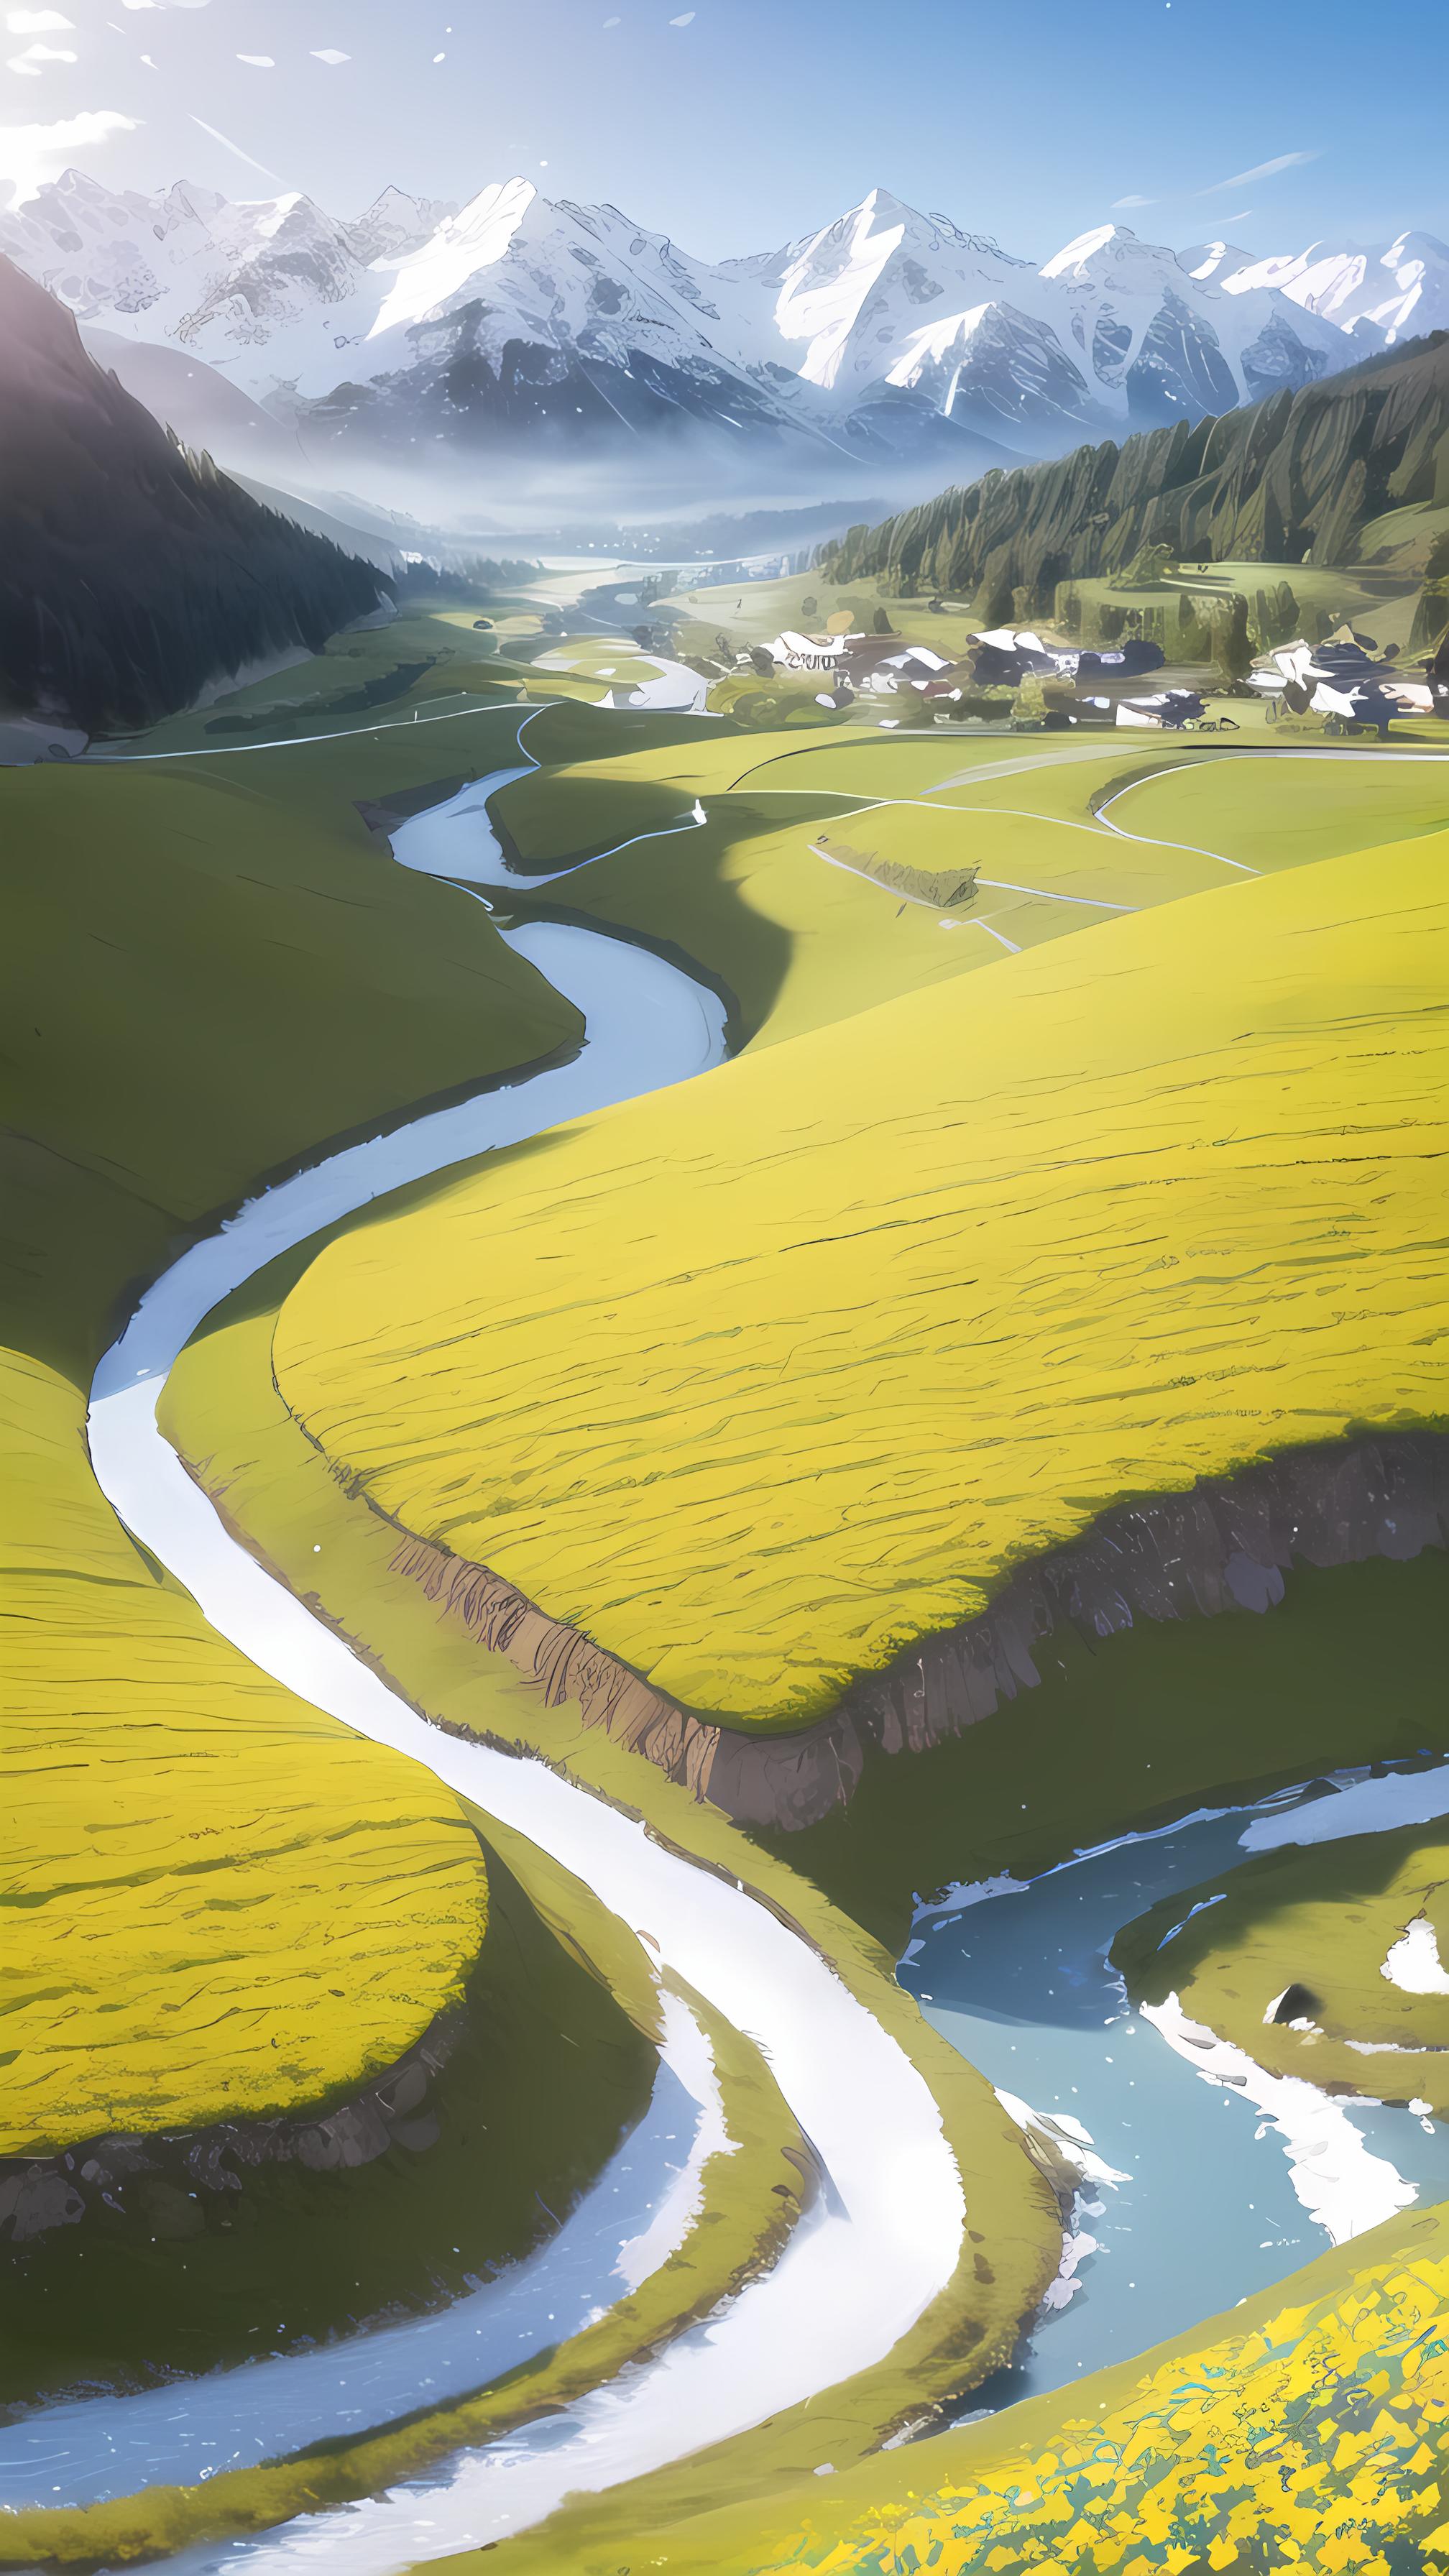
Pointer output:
x,y
1092,254
861,301
395,222
880,327
1214,262
446,265
1382,292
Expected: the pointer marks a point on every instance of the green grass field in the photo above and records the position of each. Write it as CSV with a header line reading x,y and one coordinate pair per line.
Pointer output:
x,y
208,967
755,612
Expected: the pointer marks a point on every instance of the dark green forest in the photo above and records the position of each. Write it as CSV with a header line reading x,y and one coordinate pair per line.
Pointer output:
x,y
1286,480
131,571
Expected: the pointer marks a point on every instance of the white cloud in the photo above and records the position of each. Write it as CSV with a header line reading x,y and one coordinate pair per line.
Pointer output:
x,y
686,21
329,54
1260,170
34,55
259,62
31,154
1121,204
36,22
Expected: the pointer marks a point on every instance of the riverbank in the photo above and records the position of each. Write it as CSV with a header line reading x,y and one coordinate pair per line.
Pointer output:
x,y
1276,2428
212,914
192,2250
1001,2177
911,1249
1224,1547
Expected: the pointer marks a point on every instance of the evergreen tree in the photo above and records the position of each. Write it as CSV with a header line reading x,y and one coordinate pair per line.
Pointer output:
x,y
1232,644
132,572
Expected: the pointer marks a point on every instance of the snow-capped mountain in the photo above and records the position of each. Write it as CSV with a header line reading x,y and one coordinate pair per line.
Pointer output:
x,y
195,269
1386,291
887,331
1109,334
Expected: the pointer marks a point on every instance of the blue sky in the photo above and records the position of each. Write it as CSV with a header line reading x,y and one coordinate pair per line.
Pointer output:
x,y
736,124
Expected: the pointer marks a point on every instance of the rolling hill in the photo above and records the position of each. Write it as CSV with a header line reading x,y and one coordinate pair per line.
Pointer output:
x,y
787,1369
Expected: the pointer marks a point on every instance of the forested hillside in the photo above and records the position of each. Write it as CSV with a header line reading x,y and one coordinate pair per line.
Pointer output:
x,y
1300,476
132,572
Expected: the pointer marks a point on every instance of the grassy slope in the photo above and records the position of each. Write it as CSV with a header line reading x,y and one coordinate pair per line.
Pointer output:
x,y
1285,812
187,952
1096,1237
546,2071
204,1924
1324,1918
1309,2433
426,658
203,980
798,943
223,1411
1347,1669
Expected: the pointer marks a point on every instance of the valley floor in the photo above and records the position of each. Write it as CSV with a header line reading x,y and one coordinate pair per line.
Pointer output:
x,y
768,899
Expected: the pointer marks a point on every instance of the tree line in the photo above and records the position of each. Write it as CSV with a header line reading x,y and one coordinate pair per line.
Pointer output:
x,y
1294,477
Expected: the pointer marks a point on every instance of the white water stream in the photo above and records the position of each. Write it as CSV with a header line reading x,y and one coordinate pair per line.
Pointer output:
x,y
853,2280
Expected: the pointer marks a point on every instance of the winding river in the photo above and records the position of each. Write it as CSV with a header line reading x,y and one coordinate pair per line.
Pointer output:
x,y
887,2233
1205,2178
1014,1976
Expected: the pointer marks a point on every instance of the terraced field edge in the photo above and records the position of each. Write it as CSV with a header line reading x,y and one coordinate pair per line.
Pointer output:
x,y
1223,1545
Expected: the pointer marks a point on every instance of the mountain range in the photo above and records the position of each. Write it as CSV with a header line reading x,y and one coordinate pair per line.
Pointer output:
x,y
521,322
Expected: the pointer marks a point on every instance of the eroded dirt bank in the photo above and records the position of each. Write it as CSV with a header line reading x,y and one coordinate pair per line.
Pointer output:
x,y
157,2180
1224,1546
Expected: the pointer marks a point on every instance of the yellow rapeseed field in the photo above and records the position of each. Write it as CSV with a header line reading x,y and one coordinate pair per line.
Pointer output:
x,y
758,1380
1318,2441
219,1903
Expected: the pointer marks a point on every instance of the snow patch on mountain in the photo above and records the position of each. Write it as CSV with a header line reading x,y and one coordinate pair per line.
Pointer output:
x,y
1381,292
418,321
429,278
